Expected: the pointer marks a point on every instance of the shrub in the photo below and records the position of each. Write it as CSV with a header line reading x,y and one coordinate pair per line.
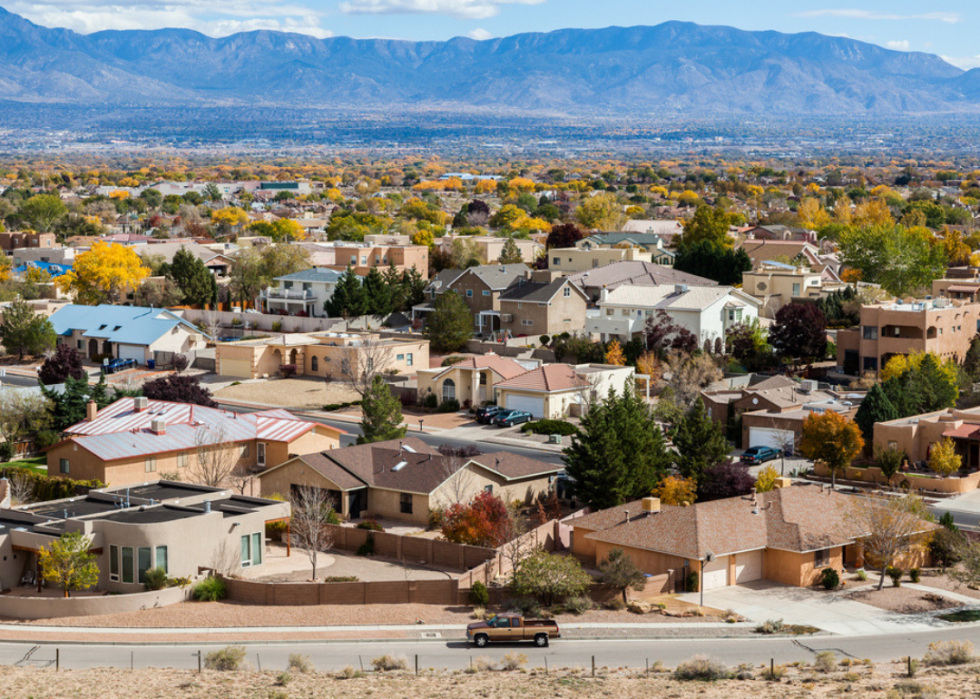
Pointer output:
x,y
155,578
915,574
861,574
371,524
829,579
691,582
227,659
300,663
430,401
479,596
942,653
449,406
579,604
775,673
210,590
478,613
276,530
388,663
896,575
367,548
479,664
701,667
910,689
513,661
544,340
181,582
452,359
341,579
770,627
276,326
288,370
283,678
6,451
528,606
44,488
550,427
349,673
825,661
615,605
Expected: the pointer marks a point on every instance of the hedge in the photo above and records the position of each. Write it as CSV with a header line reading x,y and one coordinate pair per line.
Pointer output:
x,y
45,488
550,427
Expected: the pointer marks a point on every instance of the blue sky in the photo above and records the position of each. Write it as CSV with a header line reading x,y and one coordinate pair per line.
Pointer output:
x,y
950,29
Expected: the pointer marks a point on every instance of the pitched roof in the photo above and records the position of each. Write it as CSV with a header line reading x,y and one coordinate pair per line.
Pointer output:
x,y
504,367
637,238
131,325
550,377
499,276
636,272
535,292
760,251
692,298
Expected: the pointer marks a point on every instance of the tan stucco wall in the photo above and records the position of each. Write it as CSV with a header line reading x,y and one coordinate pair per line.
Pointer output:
x,y
651,562
281,480
467,384
556,405
791,568
572,260
564,314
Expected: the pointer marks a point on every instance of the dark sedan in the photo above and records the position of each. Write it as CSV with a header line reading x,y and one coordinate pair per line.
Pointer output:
x,y
487,413
509,418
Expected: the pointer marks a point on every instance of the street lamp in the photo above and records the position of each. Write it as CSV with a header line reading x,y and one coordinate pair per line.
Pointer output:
x,y
708,557
420,424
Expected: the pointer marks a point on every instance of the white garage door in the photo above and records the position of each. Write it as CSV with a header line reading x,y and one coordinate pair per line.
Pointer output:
x,y
748,567
769,437
535,406
716,573
136,352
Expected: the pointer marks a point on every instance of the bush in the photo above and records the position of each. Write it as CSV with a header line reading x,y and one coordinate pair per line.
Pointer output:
x,y
430,401
276,530
283,678
340,406
341,579
829,579
825,661
513,661
615,605
479,613
349,673
579,604
479,596
775,673
943,653
770,627
225,660
371,524
544,340
862,575
481,663
448,406
155,579
300,663
387,663
452,359
550,427
701,667
44,488
6,451
367,548
528,606
896,575
288,371
210,590
691,582
915,574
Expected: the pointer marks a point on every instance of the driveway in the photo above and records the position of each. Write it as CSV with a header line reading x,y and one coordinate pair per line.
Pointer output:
x,y
965,509
830,611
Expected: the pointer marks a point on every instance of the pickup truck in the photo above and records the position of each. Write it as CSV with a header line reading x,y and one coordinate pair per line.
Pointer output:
x,y
512,627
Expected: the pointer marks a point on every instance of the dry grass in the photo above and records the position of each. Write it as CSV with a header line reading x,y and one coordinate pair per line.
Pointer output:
x,y
310,393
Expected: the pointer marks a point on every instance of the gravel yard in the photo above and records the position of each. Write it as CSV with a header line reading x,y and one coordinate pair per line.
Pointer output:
x,y
307,394
344,563
904,600
934,578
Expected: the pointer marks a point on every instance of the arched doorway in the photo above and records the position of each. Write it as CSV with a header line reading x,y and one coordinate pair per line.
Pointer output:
x,y
292,356
448,390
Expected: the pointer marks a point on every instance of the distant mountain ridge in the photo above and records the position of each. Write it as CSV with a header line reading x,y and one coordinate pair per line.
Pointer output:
x,y
675,67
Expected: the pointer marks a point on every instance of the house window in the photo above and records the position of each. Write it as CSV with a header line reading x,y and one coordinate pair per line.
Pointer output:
x,y
246,551
315,364
127,564
287,285
448,390
144,562
260,453
251,550
377,259
870,332
257,549
406,503
527,323
150,464
181,461
486,292
399,357
161,561
610,311
363,259
244,451
821,558
114,563
81,345
566,292
556,261
488,488
64,466
796,289
469,293
595,263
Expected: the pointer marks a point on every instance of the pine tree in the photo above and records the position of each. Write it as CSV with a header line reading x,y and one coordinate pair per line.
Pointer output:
x,y
26,332
699,442
943,390
193,278
510,254
971,363
874,408
382,414
619,453
377,294
397,290
450,325
414,287
348,299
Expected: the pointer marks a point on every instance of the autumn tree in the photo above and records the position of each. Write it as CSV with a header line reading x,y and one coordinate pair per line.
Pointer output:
x,y
25,332
674,490
382,414
480,522
614,354
104,274
42,211
549,577
812,214
282,259
179,389
247,276
564,235
66,562
943,458
886,527
800,332
708,224
832,439
601,212
766,480
287,230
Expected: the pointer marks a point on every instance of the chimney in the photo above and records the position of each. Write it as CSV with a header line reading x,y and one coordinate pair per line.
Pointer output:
x,y
604,294
141,403
680,288
91,411
158,426
207,505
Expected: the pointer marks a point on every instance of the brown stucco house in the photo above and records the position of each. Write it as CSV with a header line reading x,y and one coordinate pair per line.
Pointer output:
x,y
542,308
406,479
473,379
788,535
480,287
134,439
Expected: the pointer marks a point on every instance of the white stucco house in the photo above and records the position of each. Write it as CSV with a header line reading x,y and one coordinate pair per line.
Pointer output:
x,y
301,291
706,311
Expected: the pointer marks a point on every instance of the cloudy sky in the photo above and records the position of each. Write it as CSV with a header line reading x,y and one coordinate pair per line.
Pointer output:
x,y
949,28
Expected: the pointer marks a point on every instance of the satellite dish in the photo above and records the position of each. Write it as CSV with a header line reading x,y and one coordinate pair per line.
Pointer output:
x,y
408,449
399,466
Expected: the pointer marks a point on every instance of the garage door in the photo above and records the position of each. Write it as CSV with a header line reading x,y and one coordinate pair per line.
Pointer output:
x,y
239,368
137,352
769,437
535,406
748,567
716,573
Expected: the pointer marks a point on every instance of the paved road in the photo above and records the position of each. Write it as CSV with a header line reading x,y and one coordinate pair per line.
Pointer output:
x,y
457,655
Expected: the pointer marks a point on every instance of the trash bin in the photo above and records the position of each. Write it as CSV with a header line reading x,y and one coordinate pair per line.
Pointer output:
x,y
151,364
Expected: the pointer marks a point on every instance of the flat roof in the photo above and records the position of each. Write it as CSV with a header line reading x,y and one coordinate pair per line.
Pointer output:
x,y
165,490
79,508
151,515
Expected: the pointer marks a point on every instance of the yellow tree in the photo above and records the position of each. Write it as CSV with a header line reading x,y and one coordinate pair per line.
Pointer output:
x,y
674,490
287,229
843,212
104,274
229,217
601,212
943,458
614,354
874,212
833,439
766,480
812,214
485,187
67,563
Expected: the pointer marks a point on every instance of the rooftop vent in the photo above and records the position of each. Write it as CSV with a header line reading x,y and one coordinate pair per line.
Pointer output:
x,y
141,403
651,505
158,426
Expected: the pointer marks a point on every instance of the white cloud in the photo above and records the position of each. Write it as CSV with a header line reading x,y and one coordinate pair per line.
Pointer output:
x,y
213,18
902,45
965,62
463,9
946,17
480,34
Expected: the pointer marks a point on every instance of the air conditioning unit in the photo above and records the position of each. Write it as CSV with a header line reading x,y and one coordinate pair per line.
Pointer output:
x,y
808,385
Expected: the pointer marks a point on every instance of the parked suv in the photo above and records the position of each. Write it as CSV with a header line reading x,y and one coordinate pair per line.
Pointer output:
x,y
487,413
509,418
759,455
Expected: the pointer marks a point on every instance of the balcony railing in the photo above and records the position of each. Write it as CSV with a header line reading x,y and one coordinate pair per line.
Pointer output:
x,y
288,294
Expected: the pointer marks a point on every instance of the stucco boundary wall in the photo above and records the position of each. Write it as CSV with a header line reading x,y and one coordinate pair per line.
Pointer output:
x,y
443,592
951,485
262,322
15,607
412,549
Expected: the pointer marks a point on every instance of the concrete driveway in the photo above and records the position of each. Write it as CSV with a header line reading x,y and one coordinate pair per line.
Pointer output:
x,y
830,611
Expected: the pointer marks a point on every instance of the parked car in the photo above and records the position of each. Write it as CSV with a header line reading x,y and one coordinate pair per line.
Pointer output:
x,y
118,365
509,418
512,627
759,455
487,413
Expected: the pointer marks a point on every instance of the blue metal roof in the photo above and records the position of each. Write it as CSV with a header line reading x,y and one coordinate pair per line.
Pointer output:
x,y
780,265
131,325
55,270
314,274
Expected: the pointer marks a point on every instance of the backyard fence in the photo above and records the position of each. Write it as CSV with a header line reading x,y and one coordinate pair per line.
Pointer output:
x,y
441,592
412,549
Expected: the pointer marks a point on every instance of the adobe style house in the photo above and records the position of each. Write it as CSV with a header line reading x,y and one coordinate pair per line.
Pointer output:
x,y
943,326
365,256
319,354
776,284
788,535
179,527
472,379
18,240
542,308
406,479
917,434
133,439
491,246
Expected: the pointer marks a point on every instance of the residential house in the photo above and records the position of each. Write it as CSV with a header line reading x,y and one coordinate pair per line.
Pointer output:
x,y
571,261
57,255
407,479
665,229
365,256
473,379
491,246
126,332
916,435
300,292
320,354
18,240
480,288
706,311
647,241
619,274
960,283
789,535
941,325
180,527
134,439
217,262
560,390
762,251
777,232
542,308
776,284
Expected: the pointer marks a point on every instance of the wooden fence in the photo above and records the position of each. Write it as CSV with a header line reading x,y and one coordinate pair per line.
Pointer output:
x,y
412,549
441,592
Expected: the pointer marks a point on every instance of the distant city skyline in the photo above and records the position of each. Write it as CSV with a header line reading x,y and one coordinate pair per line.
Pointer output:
x,y
947,29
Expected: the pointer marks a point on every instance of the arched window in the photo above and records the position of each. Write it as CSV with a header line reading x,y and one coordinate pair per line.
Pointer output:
x,y
315,364
448,390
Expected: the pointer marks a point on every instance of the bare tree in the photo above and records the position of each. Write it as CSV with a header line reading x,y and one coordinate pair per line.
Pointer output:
x,y
688,375
458,481
311,512
886,526
21,489
518,545
243,475
217,456
361,363
22,415
211,322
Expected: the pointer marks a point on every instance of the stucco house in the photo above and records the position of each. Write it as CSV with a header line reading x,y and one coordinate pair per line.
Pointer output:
x,y
560,390
480,288
472,379
406,479
126,332
304,291
636,273
133,439
542,308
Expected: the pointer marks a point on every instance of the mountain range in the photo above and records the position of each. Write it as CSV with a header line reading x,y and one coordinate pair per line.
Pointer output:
x,y
675,67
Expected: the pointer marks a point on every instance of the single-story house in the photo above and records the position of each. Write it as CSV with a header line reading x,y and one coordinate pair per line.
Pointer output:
x,y
406,479
788,535
126,332
472,379
560,390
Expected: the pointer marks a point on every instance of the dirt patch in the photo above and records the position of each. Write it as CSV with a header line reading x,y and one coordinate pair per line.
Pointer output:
x,y
307,394
936,579
904,600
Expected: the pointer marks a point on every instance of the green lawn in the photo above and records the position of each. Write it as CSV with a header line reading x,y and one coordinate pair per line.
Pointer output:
x,y
39,464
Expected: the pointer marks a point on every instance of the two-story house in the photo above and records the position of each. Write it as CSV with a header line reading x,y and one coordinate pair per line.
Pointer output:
x,y
543,308
305,291
777,284
480,287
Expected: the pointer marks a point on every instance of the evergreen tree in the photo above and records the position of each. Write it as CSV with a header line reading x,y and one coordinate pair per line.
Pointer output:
x,y
68,406
413,285
619,453
348,300
396,287
699,442
450,325
377,294
712,260
26,332
510,254
943,390
874,408
192,277
382,414
971,363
